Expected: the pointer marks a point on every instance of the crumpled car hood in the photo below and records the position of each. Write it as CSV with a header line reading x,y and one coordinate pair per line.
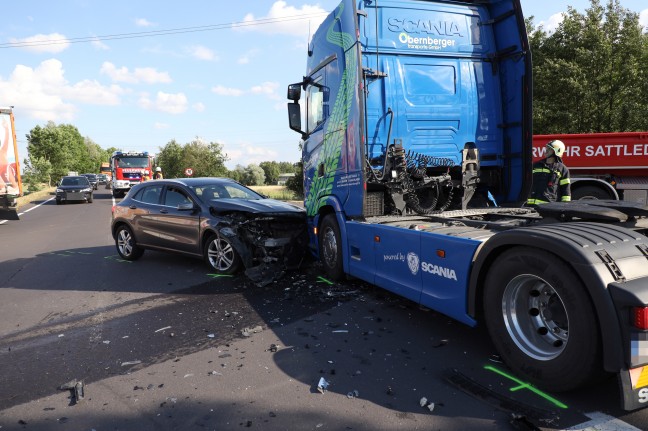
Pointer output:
x,y
260,206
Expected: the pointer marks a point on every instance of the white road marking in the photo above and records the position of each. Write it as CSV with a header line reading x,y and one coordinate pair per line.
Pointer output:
x,y
602,422
26,211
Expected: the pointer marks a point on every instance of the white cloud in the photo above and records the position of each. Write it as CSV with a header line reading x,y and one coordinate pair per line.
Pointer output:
x,y
247,57
199,107
51,43
553,22
143,22
165,102
643,20
202,53
268,89
287,20
44,93
226,91
146,75
99,45
161,126
244,153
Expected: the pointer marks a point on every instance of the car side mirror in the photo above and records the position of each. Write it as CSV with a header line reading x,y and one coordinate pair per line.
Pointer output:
x,y
186,207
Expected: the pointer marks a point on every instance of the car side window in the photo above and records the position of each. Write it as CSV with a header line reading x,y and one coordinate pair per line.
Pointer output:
x,y
149,195
175,197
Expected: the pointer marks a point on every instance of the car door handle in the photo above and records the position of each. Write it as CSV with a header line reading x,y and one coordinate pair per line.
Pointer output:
x,y
164,211
133,207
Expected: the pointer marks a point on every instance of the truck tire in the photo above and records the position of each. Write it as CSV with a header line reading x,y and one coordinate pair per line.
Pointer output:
x,y
330,248
221,256
542,321
590,192
126,246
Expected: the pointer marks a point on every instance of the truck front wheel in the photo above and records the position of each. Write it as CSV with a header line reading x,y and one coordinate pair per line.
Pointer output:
x,y
590,192
541,320
330,248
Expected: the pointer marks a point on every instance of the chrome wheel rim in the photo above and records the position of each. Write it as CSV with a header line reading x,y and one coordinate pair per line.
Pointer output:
x,y
535,317
125,242
220,254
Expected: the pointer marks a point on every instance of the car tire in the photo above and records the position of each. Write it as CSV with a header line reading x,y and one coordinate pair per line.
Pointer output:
x,y
542,321
58,202
330,248
126,245
221,256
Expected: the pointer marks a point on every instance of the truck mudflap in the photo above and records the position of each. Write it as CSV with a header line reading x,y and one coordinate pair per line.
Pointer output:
x,y
8,208
631,302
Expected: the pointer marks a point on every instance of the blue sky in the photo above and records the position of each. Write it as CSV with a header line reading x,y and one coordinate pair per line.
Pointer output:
x,y
218,74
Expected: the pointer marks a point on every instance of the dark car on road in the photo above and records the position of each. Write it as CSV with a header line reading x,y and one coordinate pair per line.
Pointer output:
x,y
73,188
102,179
227,224
94,181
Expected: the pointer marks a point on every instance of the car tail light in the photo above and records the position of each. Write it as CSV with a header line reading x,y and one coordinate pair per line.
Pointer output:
x,y
640,317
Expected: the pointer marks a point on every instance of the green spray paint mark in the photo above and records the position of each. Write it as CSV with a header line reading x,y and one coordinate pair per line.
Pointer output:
x,y
218,275
118,259
523,385
321,279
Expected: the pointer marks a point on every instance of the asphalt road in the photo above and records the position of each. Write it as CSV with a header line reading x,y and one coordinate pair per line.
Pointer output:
x,y
161,344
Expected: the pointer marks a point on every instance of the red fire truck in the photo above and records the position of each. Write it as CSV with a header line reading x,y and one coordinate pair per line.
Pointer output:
x,y
604,165
128,168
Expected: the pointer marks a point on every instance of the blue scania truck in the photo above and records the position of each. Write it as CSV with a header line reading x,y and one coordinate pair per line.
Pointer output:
x,y
416,126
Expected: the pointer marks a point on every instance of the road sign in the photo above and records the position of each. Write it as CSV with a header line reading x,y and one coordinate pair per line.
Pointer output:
x,y
188,172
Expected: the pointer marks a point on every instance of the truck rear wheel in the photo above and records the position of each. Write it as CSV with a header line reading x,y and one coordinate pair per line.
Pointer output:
x,y
330,248
542,320
590,192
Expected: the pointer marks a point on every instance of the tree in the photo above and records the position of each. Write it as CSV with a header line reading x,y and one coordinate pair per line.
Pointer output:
x,y
38,170
206,160
253,175
62,145
589,74
271,171
296,183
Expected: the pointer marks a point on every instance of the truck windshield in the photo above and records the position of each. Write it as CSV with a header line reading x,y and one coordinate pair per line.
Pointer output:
x,y
132,162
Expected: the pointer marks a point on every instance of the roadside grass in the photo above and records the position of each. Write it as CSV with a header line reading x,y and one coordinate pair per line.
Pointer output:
x,y
277,192
42,194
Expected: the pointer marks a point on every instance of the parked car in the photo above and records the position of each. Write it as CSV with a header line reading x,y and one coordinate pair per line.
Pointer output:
x,y
73,188
227,224
102,178
93,179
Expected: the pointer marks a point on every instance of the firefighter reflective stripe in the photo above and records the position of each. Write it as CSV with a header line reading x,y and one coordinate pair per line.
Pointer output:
x,y
565,181
565,199
542,171
536,202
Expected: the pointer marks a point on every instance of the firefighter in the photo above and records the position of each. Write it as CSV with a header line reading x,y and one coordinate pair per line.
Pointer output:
x,y
551,181
158,174
145,175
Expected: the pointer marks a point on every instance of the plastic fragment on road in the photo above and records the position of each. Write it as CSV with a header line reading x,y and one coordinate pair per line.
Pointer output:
x,y
249,331
341,331
162,329
353,394
77,388
322,385
126,364
211,335
423,402
274,348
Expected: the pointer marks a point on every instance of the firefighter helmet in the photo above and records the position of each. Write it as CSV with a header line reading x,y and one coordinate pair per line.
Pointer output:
x,y
159,169
558,147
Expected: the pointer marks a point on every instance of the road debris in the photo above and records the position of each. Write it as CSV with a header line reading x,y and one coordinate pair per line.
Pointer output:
x,y
211,335
249,331
353,394
424,403
77,389
274,348
162,329
126,364
322,385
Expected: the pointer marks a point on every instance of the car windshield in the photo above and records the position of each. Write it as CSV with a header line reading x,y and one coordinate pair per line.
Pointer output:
x,y
132,162
90,176
224,190
74,181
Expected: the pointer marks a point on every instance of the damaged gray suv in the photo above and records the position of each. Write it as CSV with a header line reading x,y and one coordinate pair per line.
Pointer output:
x,y
229,225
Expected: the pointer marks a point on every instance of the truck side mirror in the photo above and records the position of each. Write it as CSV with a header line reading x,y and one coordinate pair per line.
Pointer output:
x,y
294,92
294,118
